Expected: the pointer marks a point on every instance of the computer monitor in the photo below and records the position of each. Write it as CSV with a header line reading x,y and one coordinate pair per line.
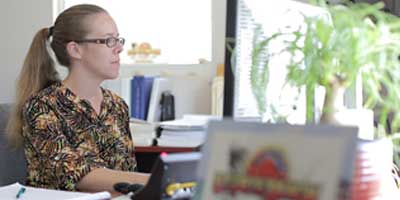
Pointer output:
x,y
248,23
249,160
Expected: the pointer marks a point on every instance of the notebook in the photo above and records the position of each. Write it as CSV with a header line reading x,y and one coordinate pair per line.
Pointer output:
x,y
9,192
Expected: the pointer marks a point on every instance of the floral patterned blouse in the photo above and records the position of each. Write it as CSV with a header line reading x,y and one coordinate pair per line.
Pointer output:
x,y
64,137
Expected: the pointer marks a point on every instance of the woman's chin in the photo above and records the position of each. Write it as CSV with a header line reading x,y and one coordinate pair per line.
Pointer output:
x,y
114,76
114,72
111,75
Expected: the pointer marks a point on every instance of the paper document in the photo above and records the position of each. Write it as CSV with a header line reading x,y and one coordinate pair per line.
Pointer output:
x,y
9,192
189,122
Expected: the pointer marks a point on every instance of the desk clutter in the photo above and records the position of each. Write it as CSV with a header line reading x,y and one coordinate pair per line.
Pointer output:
x,y
172,177
189,131
247,160
149,98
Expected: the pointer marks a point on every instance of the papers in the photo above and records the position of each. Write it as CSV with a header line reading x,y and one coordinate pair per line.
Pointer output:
x,y
170,138
189,122
190,131
143,133
9,193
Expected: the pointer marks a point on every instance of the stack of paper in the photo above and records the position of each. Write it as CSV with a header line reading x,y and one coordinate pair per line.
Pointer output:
x,y
143,133
10,192
189,122
181,138
190,131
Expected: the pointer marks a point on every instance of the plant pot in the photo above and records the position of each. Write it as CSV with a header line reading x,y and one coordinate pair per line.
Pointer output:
x,y
334,112
361,118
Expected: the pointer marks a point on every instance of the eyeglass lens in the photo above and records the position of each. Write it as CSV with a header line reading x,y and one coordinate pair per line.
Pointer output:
x,y
112,41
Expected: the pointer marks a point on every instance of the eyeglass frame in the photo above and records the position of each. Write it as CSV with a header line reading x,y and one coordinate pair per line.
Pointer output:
x,y
119,40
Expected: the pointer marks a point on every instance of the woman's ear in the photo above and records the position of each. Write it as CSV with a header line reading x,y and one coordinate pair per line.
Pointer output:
x,y
74,50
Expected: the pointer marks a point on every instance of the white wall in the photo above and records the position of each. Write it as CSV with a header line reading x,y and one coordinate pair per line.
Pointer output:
x,y
191,83
19,21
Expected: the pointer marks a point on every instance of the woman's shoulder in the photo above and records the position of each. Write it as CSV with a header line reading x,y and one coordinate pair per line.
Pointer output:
x,y
44,96
114,97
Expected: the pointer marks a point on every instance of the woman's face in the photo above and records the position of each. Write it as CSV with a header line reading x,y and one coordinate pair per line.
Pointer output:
x,y
100,60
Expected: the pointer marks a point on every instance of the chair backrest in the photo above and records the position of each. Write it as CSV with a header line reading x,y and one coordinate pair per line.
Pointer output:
x,y
12,161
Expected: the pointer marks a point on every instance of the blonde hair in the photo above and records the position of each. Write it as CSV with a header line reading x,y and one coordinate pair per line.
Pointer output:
x,y
38,70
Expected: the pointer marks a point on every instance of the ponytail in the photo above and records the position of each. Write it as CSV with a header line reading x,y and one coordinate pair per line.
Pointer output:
x,y
38,72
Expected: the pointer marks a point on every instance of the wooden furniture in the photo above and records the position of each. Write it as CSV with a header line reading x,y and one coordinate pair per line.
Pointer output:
x,y
146,156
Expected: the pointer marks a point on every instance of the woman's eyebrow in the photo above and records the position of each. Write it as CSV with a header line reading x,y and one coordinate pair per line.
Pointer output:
x,y
111,34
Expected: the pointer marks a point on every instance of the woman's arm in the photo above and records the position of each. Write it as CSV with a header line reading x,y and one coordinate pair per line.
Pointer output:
x,y
58,164
103,179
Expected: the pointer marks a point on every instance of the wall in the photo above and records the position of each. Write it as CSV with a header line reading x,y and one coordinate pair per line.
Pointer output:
x,y
18,25
33,15
191,83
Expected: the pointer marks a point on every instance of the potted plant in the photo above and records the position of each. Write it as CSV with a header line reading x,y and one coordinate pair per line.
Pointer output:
x,y
356,41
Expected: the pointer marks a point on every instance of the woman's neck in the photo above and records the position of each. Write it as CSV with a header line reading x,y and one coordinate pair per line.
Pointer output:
x,y
85,88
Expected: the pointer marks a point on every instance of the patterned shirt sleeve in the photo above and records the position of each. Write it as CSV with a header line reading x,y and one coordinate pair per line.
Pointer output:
x,y
125,153
58,163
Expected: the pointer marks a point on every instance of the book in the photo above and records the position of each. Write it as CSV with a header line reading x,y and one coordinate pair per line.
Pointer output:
x,y
217,96
141,87
143,133
9,192
160,85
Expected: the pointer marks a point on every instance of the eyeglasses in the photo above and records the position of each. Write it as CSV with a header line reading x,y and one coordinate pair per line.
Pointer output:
x,y
110,41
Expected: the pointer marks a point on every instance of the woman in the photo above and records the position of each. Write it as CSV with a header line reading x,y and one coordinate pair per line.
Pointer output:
x,y
75,134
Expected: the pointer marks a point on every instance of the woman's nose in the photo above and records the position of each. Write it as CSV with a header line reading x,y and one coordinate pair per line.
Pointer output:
x,y
119,48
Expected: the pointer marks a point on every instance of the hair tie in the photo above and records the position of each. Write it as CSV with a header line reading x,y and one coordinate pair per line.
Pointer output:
x,y
51,31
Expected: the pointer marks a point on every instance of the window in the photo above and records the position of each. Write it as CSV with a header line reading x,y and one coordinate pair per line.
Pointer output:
x,y
181,29
281,99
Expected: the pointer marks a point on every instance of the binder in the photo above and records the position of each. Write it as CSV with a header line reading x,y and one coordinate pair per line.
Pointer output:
x,y
159,86
135,96
141,87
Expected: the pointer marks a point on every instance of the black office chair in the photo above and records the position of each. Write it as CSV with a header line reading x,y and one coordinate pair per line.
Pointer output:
x,y
12,161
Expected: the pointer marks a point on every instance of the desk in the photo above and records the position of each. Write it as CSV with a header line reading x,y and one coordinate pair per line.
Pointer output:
x,y
146,156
